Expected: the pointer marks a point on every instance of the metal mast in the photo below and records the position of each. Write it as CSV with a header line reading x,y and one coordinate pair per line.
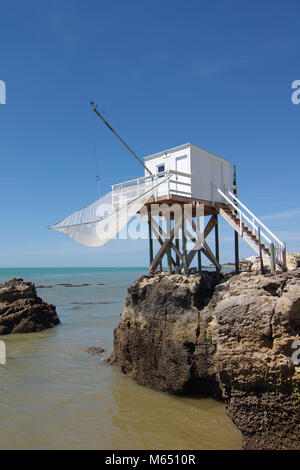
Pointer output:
x,y
94,108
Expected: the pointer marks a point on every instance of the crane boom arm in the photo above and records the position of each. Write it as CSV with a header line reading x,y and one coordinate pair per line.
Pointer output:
x,y
94,108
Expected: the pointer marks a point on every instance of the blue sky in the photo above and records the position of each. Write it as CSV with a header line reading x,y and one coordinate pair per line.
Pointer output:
x,y
217,74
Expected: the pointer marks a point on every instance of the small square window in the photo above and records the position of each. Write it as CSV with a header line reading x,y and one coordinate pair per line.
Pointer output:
x,y
160,169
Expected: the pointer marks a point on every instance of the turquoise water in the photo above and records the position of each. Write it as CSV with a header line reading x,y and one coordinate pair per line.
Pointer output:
x,y
54,395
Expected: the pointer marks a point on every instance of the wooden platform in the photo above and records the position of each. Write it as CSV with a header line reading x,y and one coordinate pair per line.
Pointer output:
x,y
209,207
178,257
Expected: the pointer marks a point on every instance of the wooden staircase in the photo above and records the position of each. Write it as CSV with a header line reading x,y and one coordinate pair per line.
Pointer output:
x,y
236,214
246,233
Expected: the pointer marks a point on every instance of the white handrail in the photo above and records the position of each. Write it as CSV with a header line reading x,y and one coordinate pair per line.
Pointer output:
x,y
279,247
155,177
242,214
256,218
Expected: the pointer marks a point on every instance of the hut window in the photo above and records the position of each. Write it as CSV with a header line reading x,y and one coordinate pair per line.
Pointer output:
x,y
160,169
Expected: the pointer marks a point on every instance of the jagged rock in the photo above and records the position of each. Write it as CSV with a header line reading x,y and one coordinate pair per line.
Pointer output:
x,y
181,334
160,328
22,311
292,260
252,264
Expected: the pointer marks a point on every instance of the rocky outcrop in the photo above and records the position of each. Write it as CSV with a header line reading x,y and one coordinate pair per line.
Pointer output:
x,y
234,340
292,261
22,311
160,330
253,263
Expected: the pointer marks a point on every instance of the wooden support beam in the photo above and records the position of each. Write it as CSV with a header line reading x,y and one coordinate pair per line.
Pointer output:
x,y
209,227
212,256
178,254
209,254
161,231
162,251
199,261
169,248
217,239
185,261
161,242
199,251
150,237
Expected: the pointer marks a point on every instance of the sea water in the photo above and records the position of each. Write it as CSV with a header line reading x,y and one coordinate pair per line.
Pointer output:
x,y
54,395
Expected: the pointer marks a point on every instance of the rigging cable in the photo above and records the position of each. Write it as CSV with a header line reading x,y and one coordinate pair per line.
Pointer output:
x,y
98,179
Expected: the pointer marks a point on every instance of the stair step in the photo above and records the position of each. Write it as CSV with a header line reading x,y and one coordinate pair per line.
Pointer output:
x,y
252,237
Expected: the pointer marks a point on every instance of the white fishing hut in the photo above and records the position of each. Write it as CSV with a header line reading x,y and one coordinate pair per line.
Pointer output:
x,y
196,173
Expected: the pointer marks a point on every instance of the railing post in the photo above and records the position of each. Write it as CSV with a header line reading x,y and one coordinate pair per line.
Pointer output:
x,y
260,254
284,256
185,265
272,253
236,235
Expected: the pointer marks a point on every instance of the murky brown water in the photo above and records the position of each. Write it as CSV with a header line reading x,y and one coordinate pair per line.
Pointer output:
x,y
53,395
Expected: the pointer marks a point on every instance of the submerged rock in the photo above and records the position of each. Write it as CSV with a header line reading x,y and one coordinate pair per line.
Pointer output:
x,y
22,311
72,285
95,350
235,340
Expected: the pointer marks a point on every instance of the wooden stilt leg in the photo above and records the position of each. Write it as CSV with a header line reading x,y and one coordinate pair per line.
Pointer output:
x,y
169,246
217,239
199,261
185,264
199,251
236,235
177,257
150,237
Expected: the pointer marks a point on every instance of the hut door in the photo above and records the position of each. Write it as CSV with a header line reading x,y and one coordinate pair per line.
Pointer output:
x,y
182,166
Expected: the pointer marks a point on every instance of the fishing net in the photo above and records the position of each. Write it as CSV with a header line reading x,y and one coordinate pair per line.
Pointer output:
x,y
102,220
